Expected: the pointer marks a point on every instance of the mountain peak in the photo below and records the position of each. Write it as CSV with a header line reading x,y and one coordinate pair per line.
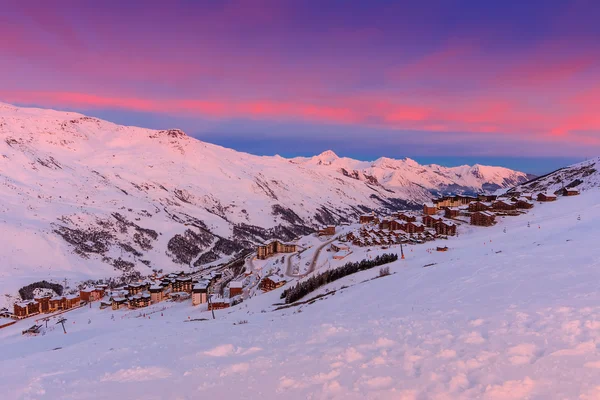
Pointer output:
x,y
326,157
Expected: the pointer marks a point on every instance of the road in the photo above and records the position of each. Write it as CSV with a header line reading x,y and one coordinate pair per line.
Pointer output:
x,y
313,263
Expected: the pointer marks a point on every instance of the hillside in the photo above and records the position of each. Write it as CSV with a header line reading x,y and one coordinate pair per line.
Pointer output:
x,y
508,312
582,176
84,198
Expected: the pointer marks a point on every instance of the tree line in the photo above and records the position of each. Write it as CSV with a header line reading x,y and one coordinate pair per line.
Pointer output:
x,y
314,282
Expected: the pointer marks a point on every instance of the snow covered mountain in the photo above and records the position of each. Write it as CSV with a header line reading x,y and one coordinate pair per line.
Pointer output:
x,y
85,198
582,176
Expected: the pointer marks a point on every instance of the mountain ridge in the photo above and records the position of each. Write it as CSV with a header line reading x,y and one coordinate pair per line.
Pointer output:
x,y
110,200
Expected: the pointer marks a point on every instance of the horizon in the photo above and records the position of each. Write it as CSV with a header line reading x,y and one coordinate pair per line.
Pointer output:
x,y
507,86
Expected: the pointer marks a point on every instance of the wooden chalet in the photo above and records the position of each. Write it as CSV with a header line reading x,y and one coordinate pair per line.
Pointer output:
x,y
384,223
479,206
451,212
568,192
183,284
366,219
445,248
453,201
271,283
91,294
328,230
137,288
44,303
445,228
429,209
26,308
118,302
397,224
522,203
236,288
504,205
72,300
483,218
273,247
545,197
406,217
218,303
414,227
140,300
57,303
431,220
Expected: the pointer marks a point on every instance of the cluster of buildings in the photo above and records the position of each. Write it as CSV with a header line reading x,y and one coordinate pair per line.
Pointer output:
x,y
402,227
177,287
275,246
46,304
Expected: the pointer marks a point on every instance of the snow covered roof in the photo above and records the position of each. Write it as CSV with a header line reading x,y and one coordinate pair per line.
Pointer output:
x,y
236,284
487,213
156,287
417,224
276,279
72,297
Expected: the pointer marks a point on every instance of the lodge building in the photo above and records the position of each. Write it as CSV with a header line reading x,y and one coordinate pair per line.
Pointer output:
x,y
273,247
271,283
483,218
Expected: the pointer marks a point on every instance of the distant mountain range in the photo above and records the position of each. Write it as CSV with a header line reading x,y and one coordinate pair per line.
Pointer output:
x,y
582,176
85,198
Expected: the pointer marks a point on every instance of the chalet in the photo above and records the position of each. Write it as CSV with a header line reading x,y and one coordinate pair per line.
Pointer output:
x,y
429,209
200,293
91,294
71,301
118,302
486,197
406,217
183,284
453,201
504,205
479,206
431,220
157,293
339,246
414,227
105,304
384,224
398,224
137,288
218,303
26,308
445,248
523,203
4,313
274,246
483,218
140,300
546,197
44,302
451,212
57,303
445,228
235,288
328,230
568,192
271,283
366,219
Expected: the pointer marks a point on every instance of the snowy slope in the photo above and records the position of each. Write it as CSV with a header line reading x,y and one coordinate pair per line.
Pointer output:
x,y
499,316
84,198
582,176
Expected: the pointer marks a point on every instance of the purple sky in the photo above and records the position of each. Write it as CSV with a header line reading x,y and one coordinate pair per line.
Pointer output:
x,y
434,80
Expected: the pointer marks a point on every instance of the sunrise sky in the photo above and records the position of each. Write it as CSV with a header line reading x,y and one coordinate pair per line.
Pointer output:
x,y
508,82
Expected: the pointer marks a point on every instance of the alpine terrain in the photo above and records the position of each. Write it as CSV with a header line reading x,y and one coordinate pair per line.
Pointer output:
x,y
84,198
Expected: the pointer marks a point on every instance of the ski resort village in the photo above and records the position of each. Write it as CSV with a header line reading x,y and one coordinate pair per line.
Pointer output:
x,y
149,265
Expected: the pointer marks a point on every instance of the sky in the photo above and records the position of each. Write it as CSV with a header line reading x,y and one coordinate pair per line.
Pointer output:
x,y
515,83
